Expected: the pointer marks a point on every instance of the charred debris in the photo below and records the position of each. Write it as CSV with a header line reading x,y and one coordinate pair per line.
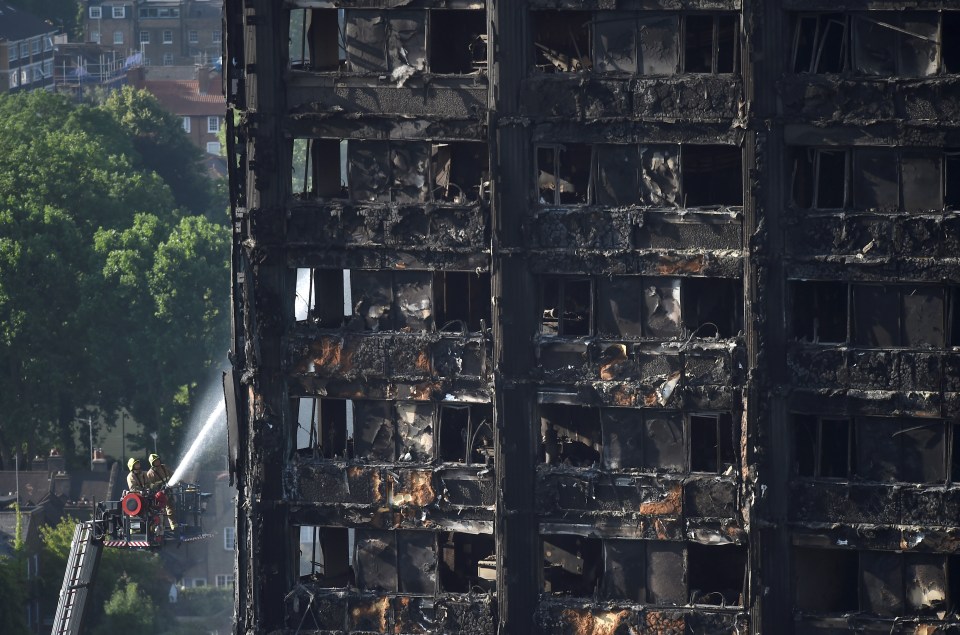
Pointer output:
x,y
595,316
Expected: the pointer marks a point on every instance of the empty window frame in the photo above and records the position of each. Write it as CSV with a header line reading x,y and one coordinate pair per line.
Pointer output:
x,y
561,41
665,307
324,426
402,561
882,583
906,450
881,179
317,39
467,562
667,176
566,306
402,42
417,432
323,297
872,315
710,43
628,439
465,433
822,446
642,571
461,301
636,43
394,171
393,300
325,556
878,43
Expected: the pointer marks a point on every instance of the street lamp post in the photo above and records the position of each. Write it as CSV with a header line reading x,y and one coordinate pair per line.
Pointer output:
x,y
90,424
123,435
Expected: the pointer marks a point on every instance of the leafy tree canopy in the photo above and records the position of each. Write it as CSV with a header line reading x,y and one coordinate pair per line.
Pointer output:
x,y
113,267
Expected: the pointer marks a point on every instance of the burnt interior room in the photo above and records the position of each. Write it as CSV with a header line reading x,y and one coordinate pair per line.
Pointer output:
x,y
595,317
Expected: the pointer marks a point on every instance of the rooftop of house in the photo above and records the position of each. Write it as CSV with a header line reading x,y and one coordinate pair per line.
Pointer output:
x,y
183,97
16,24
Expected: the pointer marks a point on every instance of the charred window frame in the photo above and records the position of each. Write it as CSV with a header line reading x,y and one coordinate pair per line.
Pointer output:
x,y
656,175
562,41
882,583
368,171
643,571
667,307
636,43
902,450
710,43
868,315
876,43
399,561
461,301
325,557
876,178
323,297
317,39
392,300
324,426
636,439
394,431
823,447
465,433
402,42
467,563
566,306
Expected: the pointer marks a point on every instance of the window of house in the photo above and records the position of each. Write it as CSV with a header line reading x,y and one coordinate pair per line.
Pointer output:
x,y
168,37
119,12
96,13
47,43
224,579
145,37
24,49
213,124
35,46
193,36
168,59
12,52
229,538
118,37
213,147
199,582
186,124
216,36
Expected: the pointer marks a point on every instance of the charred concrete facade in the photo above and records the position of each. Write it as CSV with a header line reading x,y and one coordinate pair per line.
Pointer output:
x,y
595,316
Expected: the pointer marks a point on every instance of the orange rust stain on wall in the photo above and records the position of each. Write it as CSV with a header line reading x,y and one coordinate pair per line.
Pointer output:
x,y
669,505
415,488
362,616
671,265
661,624
587,622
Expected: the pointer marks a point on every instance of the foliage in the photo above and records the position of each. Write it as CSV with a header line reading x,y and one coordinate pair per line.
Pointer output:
x,y
128,610
113,267
205,601
12,596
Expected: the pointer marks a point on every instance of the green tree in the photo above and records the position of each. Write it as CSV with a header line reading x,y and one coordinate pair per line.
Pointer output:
x,y
128,610
111,288
12,596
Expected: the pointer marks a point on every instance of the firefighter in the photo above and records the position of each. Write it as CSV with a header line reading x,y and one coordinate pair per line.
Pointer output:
x,y
159,475
136,479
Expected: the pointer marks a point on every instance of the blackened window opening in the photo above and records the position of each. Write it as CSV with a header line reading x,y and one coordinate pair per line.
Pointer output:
x,y
567,307
820,311
712,175
467,562
564,174
466,434
716,574
561,41
461,301
822,447
710,43
572,565
458,41
711,443
826,580
571,435
325,557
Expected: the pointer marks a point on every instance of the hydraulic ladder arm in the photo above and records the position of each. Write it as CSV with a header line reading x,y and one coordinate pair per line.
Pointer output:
x,y
81,569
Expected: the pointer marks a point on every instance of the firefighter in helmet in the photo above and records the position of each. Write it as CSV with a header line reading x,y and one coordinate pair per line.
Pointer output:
x,y
159,476
136,479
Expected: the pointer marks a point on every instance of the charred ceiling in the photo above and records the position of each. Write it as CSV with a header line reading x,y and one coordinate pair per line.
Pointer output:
x,y
595,316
